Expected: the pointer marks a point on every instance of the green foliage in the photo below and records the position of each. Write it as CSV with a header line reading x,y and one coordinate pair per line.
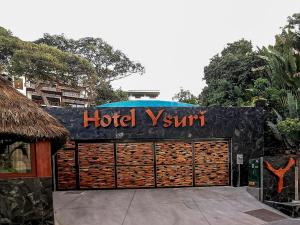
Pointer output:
x,y
56,59
241,47
239,76
229,74
4,32
290,34
109,64
8,45
263,90
293,22
41,63
290,130
106,94
283,67
185,96
290,127
44,63
220,92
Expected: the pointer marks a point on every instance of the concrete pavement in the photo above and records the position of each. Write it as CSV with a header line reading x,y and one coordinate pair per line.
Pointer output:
x,y
164,206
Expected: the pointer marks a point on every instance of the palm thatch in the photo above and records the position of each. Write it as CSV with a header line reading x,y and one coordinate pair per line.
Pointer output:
x,y
21,118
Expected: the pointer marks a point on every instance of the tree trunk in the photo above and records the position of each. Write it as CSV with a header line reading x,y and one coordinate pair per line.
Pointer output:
x,y
38,89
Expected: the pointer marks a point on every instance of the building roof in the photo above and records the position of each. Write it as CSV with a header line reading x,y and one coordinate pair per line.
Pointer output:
x,y
146,103
22,119
141,93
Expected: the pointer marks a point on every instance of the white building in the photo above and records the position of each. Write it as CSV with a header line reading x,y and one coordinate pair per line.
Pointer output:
x,y
142,94
57,95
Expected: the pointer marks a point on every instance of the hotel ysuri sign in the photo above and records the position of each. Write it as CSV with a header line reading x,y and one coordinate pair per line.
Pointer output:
x,y
100,119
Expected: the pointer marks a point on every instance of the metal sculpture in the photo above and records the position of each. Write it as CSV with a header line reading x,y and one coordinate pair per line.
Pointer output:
x,y
279,173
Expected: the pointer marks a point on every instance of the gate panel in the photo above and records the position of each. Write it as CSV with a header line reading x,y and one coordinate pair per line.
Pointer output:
x,y
211,163
174,175
66,171
174,164
135,176
135,165
96,165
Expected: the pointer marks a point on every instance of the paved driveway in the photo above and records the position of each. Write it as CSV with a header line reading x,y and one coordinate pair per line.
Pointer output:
x,y
169,206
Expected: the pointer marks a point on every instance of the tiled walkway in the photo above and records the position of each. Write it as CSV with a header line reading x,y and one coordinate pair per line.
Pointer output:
x,y
167,206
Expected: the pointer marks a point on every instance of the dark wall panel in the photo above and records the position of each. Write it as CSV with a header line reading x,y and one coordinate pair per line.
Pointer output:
x,y
26,201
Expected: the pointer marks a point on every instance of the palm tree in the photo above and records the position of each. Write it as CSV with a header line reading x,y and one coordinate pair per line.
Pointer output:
x,y
283,68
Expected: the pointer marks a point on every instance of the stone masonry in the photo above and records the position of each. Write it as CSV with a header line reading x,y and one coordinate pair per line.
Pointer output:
x,y
211,163
96,165
134,164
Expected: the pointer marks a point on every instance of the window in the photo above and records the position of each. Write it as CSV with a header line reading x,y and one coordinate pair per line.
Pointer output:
x,y
16,158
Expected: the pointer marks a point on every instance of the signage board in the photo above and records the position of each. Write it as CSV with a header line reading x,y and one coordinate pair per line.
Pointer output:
x,y
239,159
129,120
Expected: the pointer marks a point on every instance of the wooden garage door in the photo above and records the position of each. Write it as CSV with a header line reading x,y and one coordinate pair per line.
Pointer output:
x,y
96,165
174,164
135,165
211,163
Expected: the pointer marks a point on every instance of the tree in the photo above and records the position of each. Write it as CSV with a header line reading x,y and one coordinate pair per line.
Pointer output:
x,y
41,64
230,73
262,89
8,44
106,94
283,67
290,34
185,96
109,64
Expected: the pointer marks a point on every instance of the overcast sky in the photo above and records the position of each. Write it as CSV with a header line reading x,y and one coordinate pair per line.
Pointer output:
x,y
174,40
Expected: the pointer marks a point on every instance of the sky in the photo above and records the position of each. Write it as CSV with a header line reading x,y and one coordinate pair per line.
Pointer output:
x,y
173,39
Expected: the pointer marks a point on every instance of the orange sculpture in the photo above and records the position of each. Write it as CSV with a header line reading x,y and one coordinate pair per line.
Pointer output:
x,y
280,172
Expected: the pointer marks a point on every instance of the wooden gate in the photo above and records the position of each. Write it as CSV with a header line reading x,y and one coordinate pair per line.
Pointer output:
x,y
144,164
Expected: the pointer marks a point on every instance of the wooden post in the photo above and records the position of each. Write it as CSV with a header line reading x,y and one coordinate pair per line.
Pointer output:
x,y
261,197
296,183
297,178
239,177
43,159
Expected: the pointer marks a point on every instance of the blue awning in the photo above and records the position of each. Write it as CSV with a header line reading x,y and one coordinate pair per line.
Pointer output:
x,y
146,103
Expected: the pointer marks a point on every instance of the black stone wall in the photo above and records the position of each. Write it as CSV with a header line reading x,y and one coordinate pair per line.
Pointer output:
x,y
243,126
26,201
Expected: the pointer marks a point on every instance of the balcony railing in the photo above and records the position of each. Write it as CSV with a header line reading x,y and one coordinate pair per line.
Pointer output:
x,y
46,94
76,101
50,89
45,88
73,95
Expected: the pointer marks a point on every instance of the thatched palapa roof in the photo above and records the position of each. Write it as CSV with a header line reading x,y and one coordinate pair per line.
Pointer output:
x,y
22,118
